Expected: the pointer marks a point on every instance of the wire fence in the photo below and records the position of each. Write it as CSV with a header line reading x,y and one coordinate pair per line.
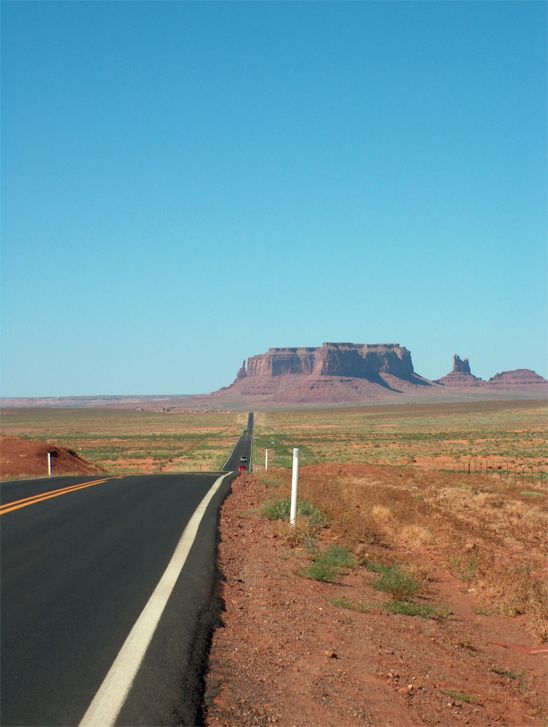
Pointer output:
x,y
522,472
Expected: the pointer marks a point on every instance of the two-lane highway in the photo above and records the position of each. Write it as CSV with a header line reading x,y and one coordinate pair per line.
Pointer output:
x,y
87,631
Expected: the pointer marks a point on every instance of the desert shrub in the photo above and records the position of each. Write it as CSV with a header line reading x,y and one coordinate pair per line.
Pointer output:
x,y
321,571
465,567
328,564
423,610
400,585
336,556
280,510
302,534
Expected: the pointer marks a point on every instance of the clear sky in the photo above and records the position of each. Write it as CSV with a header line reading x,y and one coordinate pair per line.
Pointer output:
x,y
186,184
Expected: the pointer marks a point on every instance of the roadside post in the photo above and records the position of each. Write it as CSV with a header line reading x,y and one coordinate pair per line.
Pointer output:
x,y
266,460
294,487
49,464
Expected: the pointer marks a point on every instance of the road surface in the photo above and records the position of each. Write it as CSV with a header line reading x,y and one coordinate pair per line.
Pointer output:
x,y
80,567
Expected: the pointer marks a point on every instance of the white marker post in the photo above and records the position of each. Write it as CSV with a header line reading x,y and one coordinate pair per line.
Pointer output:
x,y
266,460
294,487
49,464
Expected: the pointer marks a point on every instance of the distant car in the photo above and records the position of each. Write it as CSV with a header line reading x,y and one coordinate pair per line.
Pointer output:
x,y
243,459
242,468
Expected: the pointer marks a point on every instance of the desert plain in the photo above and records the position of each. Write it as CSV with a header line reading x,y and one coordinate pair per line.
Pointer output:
x,y
412,590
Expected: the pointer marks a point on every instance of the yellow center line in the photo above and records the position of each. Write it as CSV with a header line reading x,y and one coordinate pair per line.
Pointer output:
x,y
67,488
34,499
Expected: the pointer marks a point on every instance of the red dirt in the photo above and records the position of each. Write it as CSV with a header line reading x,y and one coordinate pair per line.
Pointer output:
x,y
28,458
287,655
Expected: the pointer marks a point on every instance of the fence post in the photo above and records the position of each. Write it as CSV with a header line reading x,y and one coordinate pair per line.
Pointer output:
x,y
266,460
49,464
294,487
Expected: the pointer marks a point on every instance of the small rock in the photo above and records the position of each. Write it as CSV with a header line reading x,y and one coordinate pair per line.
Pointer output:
x,y
331,654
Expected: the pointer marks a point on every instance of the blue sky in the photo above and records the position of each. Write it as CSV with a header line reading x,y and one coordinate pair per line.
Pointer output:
x,y
185,184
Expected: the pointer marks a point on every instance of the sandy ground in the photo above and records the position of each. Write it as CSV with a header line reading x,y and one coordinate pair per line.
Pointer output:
x,y
20,458
286,655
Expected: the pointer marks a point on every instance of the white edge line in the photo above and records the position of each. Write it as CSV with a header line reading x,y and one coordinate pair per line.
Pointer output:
x,y
107,703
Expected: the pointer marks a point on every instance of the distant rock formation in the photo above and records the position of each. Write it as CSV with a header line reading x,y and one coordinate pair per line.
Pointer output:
x,y
362,361
360,373
460,375
331,372
460,365
241,372
517,377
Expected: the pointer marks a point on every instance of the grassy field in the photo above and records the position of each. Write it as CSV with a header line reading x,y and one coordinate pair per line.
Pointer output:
x,y
131,441
486,435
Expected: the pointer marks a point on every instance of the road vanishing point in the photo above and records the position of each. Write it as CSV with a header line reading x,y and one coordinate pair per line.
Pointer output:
x,y
109,596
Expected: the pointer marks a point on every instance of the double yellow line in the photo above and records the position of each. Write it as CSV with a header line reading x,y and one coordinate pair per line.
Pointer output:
x,y
26,501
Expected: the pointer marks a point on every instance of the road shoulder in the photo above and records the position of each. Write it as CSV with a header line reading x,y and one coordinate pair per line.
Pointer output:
x,y
287,654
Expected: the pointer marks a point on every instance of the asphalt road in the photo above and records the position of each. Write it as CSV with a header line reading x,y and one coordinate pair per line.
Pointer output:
x,y
77,570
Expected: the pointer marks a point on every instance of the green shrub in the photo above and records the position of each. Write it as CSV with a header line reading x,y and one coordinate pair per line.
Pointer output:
x,y
336,556
321,571
400,585
377,567
280,510
422,610
328,564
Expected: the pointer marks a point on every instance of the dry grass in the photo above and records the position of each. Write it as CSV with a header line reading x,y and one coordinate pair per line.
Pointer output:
x,y
403,482
485,532
495,436
132,441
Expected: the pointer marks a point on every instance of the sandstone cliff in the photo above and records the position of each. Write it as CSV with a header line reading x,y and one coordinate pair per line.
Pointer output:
x,y
355,373
328,373
362,361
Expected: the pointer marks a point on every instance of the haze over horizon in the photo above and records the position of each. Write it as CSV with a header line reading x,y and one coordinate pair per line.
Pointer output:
x,y
185,185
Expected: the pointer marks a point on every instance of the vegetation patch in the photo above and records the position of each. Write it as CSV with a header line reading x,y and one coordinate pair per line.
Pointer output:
x,y
391,579
329,564
358,606
460,696
336,556
507,673
280,510
321,571
465,568
422,610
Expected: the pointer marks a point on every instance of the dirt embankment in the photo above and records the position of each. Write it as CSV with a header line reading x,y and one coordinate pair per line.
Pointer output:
x,y
21,458
299,652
